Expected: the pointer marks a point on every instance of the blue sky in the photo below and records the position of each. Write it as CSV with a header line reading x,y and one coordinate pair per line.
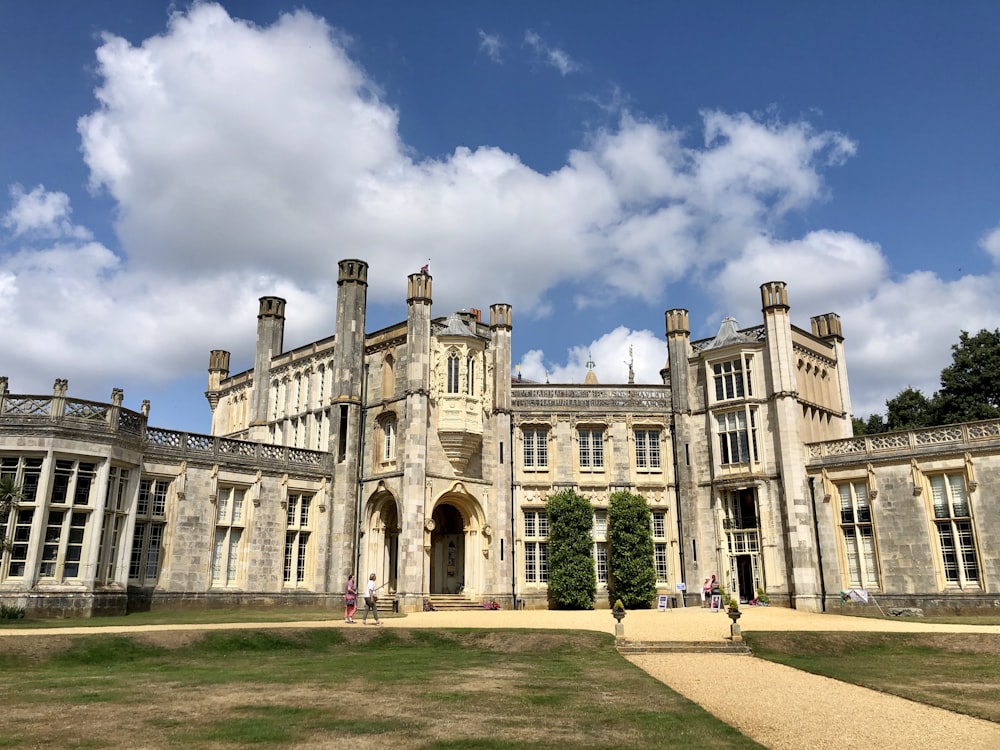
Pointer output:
x,y
593,164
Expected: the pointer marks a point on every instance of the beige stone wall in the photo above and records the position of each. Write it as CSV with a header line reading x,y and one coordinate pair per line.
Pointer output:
x,y
896,470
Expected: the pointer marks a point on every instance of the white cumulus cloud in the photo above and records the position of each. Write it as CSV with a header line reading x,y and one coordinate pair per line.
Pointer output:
x,y
246,160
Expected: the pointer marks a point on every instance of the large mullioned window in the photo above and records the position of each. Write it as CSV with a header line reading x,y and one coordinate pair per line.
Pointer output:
x,y
116,508
70,507
953,521
737,436
536,448
591,448
658,519
647,450
536,546
150,525
229,525
732,379
601,546
857,534
297,534
15,527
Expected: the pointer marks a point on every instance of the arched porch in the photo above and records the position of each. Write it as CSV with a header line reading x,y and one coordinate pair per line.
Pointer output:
x,y
455,543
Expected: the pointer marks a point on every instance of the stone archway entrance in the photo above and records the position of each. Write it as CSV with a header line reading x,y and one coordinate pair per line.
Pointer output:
x,y
382,543
447,550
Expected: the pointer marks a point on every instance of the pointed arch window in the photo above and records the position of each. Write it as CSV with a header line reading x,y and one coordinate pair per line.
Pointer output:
x,y
388,377
453,372
470,375
388,441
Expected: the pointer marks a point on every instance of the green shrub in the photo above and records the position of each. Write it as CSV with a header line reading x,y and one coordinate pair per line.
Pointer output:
x,y
8,612
572,579
631,570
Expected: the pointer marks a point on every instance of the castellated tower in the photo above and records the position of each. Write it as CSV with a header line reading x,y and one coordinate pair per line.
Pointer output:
x,y
218,370
828,328
677,376
347,391
790,455
270,337
415,434
501,326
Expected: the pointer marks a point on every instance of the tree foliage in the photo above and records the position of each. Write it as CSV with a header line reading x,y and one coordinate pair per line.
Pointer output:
x,y
631,570
572,579
874,424
970,390
970,385
910,410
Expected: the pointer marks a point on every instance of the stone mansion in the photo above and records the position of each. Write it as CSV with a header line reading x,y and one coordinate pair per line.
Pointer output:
x,y
415,453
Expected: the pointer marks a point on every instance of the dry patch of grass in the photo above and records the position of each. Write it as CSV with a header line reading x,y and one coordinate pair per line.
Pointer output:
x,y
342,687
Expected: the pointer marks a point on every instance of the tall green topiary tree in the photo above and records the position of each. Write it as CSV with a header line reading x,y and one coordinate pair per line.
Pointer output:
x,y
631,569
572,578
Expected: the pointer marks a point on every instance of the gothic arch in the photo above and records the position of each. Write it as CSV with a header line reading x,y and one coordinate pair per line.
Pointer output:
x,y
455,540
380,543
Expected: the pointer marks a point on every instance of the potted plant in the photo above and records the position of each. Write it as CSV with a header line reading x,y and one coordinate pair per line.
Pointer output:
x,y
618,611
732,606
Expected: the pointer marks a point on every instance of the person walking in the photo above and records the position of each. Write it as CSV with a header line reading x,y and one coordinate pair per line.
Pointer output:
x,y
706,591
371,597
350,600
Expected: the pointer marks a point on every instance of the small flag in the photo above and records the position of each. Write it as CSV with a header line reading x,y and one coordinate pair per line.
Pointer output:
x,y
424,268
854,595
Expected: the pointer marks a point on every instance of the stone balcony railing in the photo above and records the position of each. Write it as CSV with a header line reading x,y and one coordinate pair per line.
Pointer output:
x,y
71,412
949,437
58,410
189,446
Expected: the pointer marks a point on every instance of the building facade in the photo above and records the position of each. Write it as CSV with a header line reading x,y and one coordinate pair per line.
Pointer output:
x,y
414,452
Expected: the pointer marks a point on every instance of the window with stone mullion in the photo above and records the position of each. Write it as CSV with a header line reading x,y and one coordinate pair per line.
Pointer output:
x,y
297,537
591,448
858,536
535,448
956,538
647,449
228,535
150,524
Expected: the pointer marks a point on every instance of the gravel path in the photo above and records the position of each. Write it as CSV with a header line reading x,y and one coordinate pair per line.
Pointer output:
x,y
778,706
786,709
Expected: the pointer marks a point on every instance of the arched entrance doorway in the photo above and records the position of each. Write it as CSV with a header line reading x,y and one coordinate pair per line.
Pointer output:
x,y
382,542
447,550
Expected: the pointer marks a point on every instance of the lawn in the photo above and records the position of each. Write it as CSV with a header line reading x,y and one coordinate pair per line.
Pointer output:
x,y
956,671
185,617
342,687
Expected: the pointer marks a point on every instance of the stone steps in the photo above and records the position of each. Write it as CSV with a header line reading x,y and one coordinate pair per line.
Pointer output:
x,y
681,647
453,603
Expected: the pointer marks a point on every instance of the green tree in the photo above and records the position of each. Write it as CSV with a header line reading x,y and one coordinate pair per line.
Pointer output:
x,y
910,410
970,390
970,385
10,496
631,570
572,578
874,425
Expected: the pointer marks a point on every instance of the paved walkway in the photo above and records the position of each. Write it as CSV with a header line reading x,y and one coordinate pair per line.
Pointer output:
x,y
777,706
